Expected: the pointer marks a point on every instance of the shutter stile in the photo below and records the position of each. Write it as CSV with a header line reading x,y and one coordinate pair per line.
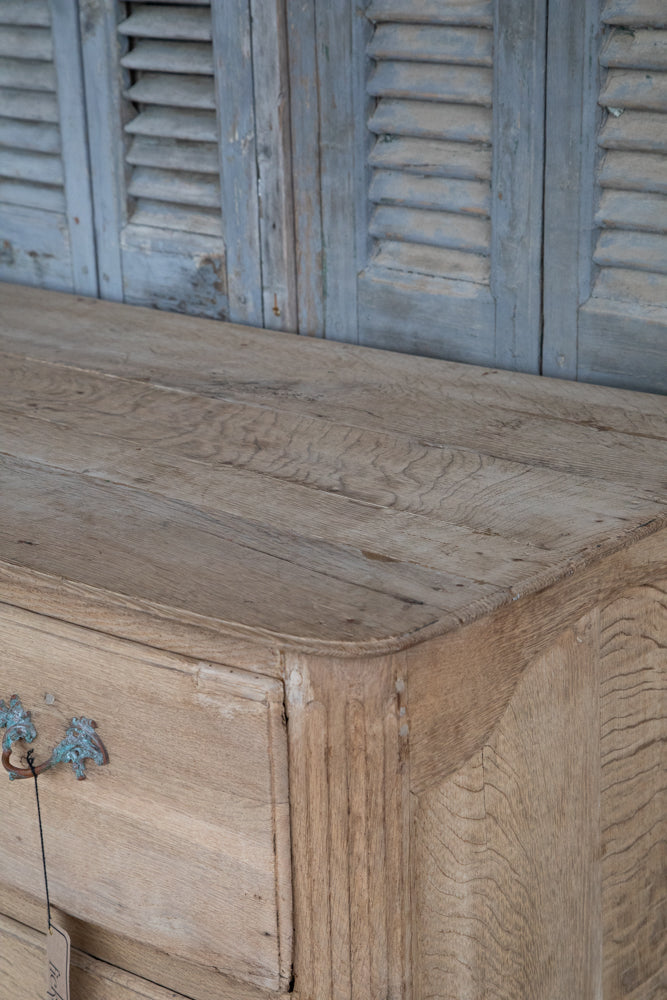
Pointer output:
x,y
430,182
631,250
31,173
172,154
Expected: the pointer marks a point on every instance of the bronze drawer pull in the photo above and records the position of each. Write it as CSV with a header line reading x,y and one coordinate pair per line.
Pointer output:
x,y
81,742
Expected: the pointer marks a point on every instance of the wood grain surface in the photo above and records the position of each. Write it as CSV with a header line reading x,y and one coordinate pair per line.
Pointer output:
x,y
633,702
322,496
196,785
350,828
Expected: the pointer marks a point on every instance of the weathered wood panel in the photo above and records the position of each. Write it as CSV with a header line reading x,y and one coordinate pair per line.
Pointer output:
x,y
634,793
235,821
506,851
350,814
23,972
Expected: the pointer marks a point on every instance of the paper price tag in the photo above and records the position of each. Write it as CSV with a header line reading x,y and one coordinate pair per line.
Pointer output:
x,y
58,947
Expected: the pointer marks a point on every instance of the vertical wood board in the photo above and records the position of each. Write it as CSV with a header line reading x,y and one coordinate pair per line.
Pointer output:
x,y
516,186
233,60
506,857
74,138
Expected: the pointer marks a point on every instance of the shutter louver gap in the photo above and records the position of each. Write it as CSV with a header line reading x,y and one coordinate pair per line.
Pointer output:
x,y
631,249
430,187
173,151
31,174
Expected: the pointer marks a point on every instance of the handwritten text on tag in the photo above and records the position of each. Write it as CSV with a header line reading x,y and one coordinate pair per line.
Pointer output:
x,y
57,957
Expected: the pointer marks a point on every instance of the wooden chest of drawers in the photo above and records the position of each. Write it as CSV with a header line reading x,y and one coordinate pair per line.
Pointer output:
x,y
375,643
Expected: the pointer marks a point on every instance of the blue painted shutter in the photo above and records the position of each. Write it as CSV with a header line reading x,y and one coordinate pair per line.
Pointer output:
x,y
424,144
46,235
430,84
614,294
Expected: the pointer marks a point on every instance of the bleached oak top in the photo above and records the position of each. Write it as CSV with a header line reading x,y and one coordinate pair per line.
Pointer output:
x,y
301,492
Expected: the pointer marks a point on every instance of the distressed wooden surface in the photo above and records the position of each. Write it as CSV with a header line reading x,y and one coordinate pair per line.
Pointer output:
x,y
633,702
548,839
105,115
166,827
517,182
506,849
394,438
23,971
350,828
232,51
307,513
270,89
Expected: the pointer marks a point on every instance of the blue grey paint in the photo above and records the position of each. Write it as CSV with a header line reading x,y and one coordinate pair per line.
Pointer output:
x,y
73,132
516,210
573,120
232,57
101,55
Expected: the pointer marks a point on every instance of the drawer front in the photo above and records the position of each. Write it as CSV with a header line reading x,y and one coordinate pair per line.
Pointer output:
x,y
181,842
23,971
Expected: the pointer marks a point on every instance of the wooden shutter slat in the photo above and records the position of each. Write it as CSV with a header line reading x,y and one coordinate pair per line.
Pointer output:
x,y
429,119
177,91
174,90
636,13
26,166
198,126
181,3
28,105
645,48
468,12
640,131
27,74
32,12
639,89
169,216
439,159
39,137
435,193
434,261
181,188
640,251
458,84
26,43
633,210
174,154
49,199
443,229
634,172
187,24
170,57
432,43
638,287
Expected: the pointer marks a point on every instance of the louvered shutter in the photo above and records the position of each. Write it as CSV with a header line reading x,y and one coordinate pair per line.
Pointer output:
x,y
181,103
431,244
430,160
46,231
608,322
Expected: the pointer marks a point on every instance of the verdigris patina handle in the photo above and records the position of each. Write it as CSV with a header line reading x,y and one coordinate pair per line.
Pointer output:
x,y
81,742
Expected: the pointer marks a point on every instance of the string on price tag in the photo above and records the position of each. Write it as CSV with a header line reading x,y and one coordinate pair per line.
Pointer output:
x,y
58,944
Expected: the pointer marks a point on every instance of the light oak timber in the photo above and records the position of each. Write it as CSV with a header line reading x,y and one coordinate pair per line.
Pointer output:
x,y
460,685
349,782
23,971
410,615
506,851
162,816
633,701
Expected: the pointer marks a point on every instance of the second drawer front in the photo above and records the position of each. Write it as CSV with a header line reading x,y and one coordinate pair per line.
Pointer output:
x,y
182,841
